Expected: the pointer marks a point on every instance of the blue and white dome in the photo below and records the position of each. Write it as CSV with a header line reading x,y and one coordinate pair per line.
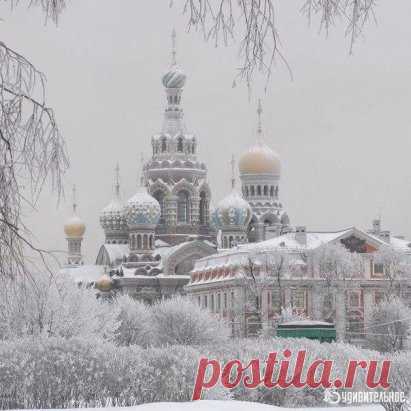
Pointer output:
x,y
112,216
233,210
142,209
174,78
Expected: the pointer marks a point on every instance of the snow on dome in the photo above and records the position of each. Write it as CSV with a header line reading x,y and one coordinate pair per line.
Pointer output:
x,y
260,159
142,209
174,78
232,210
74,227
112,216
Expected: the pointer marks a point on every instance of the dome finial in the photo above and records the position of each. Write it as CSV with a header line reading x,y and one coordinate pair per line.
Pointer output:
x,y
74,191
173,47
142,170
259,113
232,162
117,181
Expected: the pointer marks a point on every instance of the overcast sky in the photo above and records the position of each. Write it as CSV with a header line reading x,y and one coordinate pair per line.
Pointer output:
x,y
342,127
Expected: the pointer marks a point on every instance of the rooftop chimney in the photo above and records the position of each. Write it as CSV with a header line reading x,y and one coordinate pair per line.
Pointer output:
x,y
376,226
385,236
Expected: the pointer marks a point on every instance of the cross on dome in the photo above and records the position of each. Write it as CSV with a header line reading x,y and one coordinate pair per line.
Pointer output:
x,y
259,113
173,47
117,181
74,191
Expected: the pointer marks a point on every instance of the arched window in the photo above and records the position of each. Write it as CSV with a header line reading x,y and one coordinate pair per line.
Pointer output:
x,y
252,191
139,242
180,147
183,207
272,191
225,245
164,145
203,209
266,190
276,191
231,241
259,190
159,196
145,242
246,191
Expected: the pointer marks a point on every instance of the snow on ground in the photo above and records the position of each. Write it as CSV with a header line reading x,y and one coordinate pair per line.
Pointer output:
x,y
237,406
226,406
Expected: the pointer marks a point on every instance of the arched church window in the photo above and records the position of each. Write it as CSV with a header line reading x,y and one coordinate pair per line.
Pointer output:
x,y
276,191
145,242
180,147
203,209
183,207
259,190
266,190
225,245
252,191
159,196
231,241
272,191
246,191
139,242
164,145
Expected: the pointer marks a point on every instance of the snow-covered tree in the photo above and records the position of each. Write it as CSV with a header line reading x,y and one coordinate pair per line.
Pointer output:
x,y
179,320
135,322
395,268
335,264
389,326
53,306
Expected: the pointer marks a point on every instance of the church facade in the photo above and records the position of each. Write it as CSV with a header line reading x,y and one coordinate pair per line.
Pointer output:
x,y
165,239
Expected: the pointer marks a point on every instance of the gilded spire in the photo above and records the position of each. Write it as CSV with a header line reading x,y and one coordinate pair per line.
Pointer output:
x,y
173,47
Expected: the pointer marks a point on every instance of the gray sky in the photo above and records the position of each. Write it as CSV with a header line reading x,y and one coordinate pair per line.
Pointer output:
x,y
342,126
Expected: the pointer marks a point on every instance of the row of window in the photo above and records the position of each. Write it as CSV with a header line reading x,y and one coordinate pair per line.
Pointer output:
x,y
188,147
258,190
184,207
141,241
217,302
231,241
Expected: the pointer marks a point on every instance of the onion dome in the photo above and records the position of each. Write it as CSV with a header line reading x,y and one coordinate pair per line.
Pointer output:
x,y
74,227
142,209
260,159
112,216
233,210
174,78
104,283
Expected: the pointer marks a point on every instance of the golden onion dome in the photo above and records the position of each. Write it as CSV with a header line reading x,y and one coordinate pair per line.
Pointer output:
x,y
74,227
260,159
104,283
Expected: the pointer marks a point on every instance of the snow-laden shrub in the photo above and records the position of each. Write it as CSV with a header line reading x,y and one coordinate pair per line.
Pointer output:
x,y
389,326
53,306
179,320
66,373
135,322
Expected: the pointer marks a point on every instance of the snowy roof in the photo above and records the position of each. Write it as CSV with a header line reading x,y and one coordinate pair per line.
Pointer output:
x,y
307,323
83,273
117,251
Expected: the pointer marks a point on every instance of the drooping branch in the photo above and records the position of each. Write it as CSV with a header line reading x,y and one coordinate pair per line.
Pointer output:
x,y
31,151
252,23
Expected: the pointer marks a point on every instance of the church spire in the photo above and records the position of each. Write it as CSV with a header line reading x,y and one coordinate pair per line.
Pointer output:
x,y
173,47
232,162
74,192
142,177
259,123
117,181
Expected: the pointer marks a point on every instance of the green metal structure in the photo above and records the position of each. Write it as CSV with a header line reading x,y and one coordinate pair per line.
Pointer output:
x,y
314,330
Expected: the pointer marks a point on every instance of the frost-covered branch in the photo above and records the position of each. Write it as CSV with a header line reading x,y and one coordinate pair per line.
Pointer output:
x,y
31,152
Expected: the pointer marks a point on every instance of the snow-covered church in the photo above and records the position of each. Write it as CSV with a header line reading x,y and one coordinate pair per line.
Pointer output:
x,y
166,240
